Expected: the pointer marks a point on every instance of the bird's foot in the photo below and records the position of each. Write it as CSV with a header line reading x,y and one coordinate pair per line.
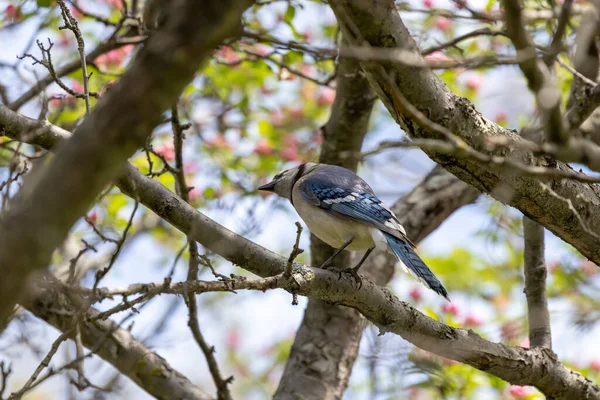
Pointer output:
x,y
354,273
327,265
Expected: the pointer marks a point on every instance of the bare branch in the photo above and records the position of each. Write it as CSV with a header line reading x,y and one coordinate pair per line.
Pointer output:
x,y
381,26
535,285
326,344
72,25
110,44
223,392
134,360
47,207
44,364
537,73
543,369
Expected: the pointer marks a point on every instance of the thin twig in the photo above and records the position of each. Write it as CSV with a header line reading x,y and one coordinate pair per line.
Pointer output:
x,y
443,147
44,364
182,189
5,371
296,251
72,25
556,44
120,243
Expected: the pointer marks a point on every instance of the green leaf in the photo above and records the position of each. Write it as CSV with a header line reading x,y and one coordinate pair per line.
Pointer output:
x,y
289,14
43,3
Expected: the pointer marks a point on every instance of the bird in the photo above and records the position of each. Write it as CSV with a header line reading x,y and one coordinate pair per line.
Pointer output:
x,y
342,210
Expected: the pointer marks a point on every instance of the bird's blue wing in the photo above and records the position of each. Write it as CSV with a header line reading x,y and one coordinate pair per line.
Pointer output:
x,y
357,205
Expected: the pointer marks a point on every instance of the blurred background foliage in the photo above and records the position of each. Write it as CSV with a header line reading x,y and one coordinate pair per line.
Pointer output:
x,y
256,108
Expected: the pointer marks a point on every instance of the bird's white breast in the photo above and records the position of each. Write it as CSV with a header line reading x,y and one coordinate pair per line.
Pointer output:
x,y
331,229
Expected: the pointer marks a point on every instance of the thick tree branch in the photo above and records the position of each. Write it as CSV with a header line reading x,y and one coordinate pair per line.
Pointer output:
x,y
115,345
326,344
51,200
379,25
535,285
537,367
537,72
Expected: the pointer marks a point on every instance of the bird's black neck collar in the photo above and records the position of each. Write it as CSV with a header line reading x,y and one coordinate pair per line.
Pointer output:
x,y
298,175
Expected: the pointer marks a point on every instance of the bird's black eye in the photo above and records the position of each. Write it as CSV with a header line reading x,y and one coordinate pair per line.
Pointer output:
x,y
279,175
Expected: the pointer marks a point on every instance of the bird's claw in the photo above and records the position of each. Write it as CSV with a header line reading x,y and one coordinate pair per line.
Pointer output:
x,y
354,273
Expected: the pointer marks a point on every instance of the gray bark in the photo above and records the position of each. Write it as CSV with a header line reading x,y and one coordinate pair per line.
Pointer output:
x,y
570,210
536,367
115,345
38,219
535,285
326,344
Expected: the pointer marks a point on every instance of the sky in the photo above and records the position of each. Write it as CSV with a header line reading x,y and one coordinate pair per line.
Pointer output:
x,y
267,318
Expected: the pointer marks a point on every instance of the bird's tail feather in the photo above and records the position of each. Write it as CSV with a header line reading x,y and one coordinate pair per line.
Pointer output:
x,y
413,264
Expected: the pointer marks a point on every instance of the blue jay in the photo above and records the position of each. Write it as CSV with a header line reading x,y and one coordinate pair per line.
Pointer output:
x,y
341,209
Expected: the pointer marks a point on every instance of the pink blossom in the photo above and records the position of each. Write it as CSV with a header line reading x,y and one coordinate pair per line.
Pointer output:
x,y
92,217
218,142
519,392
262,49
472,320
428,3
277,117
589,269
437,56
525,343
307,69
326,97
228,54
194,194
166,150
501,117
450,308
289,140
307,35
443,24
264,89
290,154
190,167
114,57
474,82
595,365
13,13
77,14
263,148
114,3
78,87
232,339
63,39
416,294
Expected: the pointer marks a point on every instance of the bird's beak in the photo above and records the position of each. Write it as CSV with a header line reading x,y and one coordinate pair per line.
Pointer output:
x,y
267,187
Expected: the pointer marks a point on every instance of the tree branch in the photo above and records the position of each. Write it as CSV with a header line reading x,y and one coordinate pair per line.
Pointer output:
x,y
537,367
535,285
50,201
326,344
379,25
147,369
537,72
